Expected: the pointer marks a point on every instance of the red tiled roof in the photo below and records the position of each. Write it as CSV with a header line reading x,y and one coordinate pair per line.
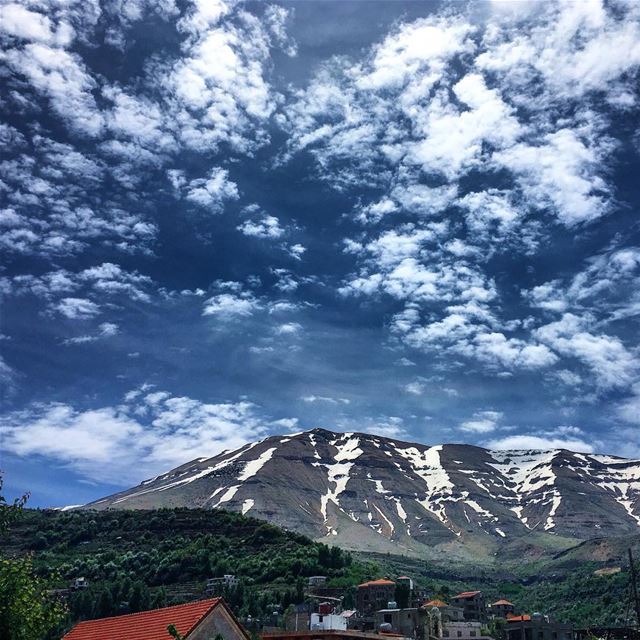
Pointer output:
x,y
524,618
467,594
503,601
147,625
373,583
435,603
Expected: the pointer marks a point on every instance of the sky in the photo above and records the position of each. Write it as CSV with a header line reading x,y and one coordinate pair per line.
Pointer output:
x,y
225,220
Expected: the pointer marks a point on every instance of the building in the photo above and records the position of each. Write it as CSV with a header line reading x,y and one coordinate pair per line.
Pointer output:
x,y
328,622
374,595
406,581
463,631
194,621
317,581
537,627
79,583
502,609
447,612
405,622
228,581
473,605
321,634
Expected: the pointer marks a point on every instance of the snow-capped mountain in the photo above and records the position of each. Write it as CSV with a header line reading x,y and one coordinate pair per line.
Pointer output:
x,y
372,493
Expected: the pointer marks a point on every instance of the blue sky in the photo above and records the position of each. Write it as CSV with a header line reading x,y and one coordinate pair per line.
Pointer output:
x,y
226,220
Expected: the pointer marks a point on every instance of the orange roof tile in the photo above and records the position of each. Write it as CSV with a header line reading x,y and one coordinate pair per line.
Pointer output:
x,y
467,594
373,583
435,603
147,625
523,618
503,601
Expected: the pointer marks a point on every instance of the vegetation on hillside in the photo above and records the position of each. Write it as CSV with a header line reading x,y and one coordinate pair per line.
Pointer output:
x,y
27,611
136,560
569,592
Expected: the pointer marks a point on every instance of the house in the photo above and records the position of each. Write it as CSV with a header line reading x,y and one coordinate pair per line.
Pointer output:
x,y
79,583
502,608
463,631
473,605
405,622
405,580
447,612
537,627
374,595
216,585
328,622
321,634
200,620
317,581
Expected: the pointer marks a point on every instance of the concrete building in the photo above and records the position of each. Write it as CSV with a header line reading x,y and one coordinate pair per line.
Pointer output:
x,y
463,631
537,627
502,609
406,622
473,605
374,595
448,613
328,622
316,581
405,580
216,585
80,583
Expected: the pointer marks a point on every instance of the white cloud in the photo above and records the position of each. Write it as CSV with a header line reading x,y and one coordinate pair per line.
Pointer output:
x,y
77,308
209,193
265,227
288,328
415,388
329,400
482,422
562,172
144,436
607,357
227,305
540,443
105,330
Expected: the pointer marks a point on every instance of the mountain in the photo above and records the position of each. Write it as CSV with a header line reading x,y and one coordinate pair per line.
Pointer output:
x,y
370,493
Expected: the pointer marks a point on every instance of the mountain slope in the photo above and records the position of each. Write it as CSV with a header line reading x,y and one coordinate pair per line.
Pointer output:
x,y
372,493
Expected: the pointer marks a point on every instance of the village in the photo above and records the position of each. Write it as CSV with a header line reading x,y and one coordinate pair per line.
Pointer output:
x,y
396,609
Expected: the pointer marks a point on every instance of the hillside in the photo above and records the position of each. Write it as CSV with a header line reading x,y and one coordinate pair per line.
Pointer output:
x,y
369,493
139,559
136,560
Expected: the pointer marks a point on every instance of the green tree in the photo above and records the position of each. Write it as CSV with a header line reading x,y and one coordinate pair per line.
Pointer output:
x,y
10,512
104,604
26,610
139,599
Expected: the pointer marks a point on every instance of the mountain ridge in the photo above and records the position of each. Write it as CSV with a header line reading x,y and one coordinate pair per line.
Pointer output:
x,y
372,493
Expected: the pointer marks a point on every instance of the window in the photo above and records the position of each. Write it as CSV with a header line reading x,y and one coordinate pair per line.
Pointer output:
x,y
459,634
320,618
387,617
472,634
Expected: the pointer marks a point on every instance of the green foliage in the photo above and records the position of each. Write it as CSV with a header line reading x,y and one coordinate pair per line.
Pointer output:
x,y
27,612
136,560
10,512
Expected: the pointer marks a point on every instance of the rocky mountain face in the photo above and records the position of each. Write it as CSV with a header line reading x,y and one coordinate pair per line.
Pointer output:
x,y
370,493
